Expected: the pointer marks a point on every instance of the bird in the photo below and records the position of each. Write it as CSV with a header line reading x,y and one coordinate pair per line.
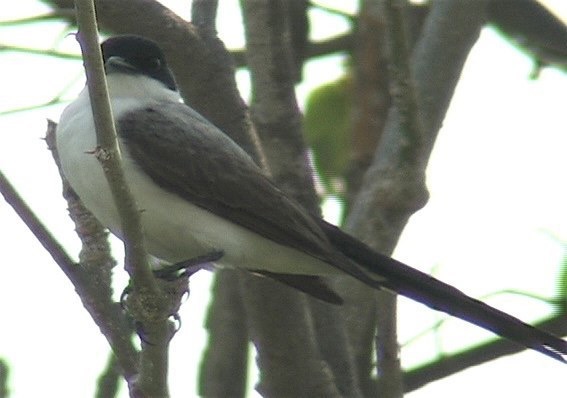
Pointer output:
x,y
199,193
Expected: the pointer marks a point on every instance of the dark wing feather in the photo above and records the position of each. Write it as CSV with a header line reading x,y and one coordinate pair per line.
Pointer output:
x,y
204,166
195,160
312,285
443,297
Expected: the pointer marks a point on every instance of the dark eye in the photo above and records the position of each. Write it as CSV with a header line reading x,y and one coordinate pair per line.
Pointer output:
x,y
153,63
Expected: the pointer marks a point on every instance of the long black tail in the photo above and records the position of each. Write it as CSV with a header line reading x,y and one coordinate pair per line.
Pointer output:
x,y
432,292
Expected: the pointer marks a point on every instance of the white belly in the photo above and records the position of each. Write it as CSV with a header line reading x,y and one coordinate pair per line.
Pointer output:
x,y
175,230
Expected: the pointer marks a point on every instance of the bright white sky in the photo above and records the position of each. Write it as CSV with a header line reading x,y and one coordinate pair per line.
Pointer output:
x,y
496,218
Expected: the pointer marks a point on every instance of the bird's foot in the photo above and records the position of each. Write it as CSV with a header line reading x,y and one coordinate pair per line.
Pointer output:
x,y
188,267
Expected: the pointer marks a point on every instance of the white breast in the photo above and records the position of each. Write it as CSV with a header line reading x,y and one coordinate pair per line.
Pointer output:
x,y
76,141
175,230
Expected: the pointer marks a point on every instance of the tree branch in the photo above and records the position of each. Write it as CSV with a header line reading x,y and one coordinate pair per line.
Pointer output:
x,y
370,104
40,231
107,151
4,373
90,285
286,370
53,101
402,88
224,366
404,99
342,43
108,382
448,365
204,15
393,188
146,302
57,99
39,51
62,13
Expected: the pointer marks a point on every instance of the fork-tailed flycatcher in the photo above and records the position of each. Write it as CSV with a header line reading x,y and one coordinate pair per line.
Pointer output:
x,y
199,192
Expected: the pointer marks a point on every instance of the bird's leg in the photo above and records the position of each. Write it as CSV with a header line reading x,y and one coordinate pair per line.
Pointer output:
x,y
187,267
174,273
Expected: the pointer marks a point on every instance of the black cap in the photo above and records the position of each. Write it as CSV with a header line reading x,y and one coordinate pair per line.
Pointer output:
x,y
137,54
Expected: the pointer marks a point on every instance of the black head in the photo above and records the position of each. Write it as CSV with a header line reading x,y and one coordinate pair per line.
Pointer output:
x,y
136,55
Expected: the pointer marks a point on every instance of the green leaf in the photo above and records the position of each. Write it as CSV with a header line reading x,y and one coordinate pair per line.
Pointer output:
x,y
327,121
562,281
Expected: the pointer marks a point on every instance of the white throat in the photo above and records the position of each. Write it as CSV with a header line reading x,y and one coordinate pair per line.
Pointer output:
x,y
141,87
175,229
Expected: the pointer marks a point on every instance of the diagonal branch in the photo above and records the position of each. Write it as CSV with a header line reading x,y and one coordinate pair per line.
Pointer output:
x,y
40,231
57,99
450,364
108,381
394,188
53,15
39,51
106,314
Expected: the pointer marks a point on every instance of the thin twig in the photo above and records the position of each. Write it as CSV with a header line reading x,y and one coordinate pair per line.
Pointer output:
x,y
553,301
434,328
146,301
107,151
51,102
450,364
60,13
57,99
35,225
106,314
341,43
39,51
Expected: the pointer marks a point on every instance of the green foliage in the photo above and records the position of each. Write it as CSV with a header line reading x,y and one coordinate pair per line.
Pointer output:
x,y
4,373
562,282
327,121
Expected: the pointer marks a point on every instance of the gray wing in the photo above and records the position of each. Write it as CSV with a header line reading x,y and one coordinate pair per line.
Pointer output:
x,y
195,160
192,158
